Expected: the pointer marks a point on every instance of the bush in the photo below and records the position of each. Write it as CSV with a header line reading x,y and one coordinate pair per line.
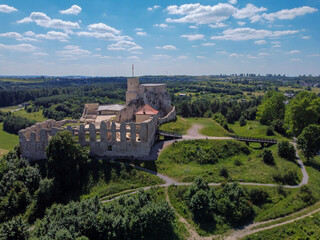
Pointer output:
x,y
13,124
268,157
270,131
223,172
237,162
242,121
289,177
306,194
278,126
219,118
286,150
259,196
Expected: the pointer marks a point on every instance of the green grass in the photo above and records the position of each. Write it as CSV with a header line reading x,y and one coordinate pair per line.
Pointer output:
x,y
22,80
171,162
132,180
8,109
37,116
7,140
278,206
306,228
253,129
181,125
210,127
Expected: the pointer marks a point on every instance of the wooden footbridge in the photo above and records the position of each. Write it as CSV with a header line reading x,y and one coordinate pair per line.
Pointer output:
x,y
169,135
262,141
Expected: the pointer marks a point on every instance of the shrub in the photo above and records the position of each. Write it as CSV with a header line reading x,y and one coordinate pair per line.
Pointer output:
x,y
278,126
270,131
268,157
286,150
289,177
237,162
224,172
306,194
219,118
259,196
242,121
13,124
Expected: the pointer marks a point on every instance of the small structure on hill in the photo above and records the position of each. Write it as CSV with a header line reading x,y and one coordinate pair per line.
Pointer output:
x,y
145,113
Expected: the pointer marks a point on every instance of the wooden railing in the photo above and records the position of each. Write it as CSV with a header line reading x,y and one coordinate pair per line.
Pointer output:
x,y
254,139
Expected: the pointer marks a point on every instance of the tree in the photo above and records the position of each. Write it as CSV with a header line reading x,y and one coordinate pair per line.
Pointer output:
x,y
15,229
272,107
66,160
242,121
309,141
286,150
268,157
302,111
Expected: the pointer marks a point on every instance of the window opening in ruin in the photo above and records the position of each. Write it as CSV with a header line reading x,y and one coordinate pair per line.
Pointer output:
x,y
109,148
138,137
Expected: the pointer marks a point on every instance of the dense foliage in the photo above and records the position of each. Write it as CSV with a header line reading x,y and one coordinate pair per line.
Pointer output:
x,y
286,150
309,141
13,124
131,217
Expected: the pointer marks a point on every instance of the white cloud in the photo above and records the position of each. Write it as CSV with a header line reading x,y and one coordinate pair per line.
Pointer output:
x,y
182,57
233,1
251,57
276,46
314,55
241,23
7,9
289,13
249,11
18,47
296,59
167,47
293,52
41,19
235,55
201,57
161,25
208,44
138,29
260,42
141,33
17,36
276,42
218,25
101,27
153,8
305,37
193,27
133,57
53,35
200,14
264,54
29,34
161,56
192,37
40,54
124,45
74,10
72,52
240,34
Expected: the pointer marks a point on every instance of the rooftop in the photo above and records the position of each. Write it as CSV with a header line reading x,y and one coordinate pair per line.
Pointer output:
x,y
111,107
147,110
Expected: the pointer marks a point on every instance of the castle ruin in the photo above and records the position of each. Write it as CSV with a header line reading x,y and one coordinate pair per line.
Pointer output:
x,y
111,130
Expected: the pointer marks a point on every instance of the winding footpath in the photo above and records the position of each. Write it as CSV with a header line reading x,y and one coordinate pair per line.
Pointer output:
x,y
193,134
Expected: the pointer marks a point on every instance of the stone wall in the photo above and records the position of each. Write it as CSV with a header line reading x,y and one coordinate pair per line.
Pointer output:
x,y
171,116
130,140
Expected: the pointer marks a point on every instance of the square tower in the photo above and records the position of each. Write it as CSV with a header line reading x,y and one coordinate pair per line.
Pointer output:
x,y
132,89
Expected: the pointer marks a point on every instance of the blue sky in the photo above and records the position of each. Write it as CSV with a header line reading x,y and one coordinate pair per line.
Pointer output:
x,y
103,38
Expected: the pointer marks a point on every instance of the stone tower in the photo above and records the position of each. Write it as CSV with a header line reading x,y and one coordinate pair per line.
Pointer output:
x,y
132,89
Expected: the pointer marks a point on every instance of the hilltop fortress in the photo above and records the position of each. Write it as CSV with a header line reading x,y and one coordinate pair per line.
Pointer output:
x,y
109,130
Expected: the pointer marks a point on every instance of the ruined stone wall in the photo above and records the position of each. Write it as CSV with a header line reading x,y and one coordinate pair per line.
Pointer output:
x,y
171,116
130,140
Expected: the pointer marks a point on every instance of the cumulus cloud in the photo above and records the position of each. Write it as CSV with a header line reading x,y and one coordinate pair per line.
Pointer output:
x,y
17,36
260,42
133,57
153,8
41,19
124,46
192,37
314,55
218,25
40,54
53,35
208,44
167,47
249,11
240,34
141,33
18,47
74,10
289,13
293,52
201,57
161,56
264,54
305,37
101,27
233,1
72,52
241,23
7,9
161,25
193,27
200,14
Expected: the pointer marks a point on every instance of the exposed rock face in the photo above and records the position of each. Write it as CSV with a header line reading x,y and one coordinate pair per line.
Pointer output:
x,y
158,100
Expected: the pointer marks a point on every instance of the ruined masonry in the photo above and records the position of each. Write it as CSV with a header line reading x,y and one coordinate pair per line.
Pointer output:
x,y
122,137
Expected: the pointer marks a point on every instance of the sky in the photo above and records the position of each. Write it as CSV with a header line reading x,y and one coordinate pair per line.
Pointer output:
x,y
105,37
